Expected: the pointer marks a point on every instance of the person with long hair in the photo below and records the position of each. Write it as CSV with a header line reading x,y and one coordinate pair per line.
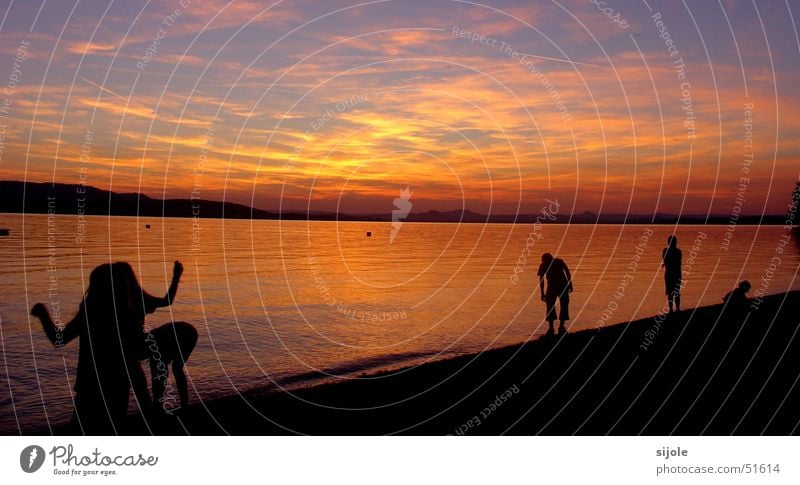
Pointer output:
x,y
107,366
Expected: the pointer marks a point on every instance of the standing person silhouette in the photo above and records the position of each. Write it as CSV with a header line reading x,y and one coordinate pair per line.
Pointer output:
x,y
671,260
107,366
559,286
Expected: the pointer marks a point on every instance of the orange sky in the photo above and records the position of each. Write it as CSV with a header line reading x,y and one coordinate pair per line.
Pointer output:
x,y
299,105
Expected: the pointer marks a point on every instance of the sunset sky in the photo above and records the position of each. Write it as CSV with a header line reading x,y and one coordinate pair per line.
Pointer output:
x,y
338,105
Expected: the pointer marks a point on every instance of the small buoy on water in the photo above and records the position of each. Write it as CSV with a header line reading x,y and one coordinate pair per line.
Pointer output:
x,y
147,226
369,233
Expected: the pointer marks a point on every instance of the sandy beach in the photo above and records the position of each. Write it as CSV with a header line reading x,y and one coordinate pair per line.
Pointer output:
x,y
701,371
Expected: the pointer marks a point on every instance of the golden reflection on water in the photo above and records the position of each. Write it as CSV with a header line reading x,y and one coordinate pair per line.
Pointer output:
x,y
273,300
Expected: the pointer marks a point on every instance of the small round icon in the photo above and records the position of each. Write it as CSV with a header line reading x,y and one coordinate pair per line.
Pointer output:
x,y
31,458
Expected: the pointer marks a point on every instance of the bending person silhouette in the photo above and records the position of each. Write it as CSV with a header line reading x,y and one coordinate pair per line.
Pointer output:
x,y
559,286
672,260
107,366
171,343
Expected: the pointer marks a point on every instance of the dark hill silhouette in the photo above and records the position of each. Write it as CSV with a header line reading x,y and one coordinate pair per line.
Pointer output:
x,y
103,202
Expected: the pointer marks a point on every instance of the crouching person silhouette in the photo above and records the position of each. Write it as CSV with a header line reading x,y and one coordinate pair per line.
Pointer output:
x,y
736,301
168,345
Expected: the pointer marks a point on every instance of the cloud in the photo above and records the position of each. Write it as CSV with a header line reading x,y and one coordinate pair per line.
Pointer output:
x,y
439,112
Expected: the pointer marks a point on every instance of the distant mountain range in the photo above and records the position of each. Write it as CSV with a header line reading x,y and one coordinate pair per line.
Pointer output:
x,y
65,199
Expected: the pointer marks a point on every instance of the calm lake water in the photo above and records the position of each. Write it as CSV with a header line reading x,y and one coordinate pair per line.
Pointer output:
x,y
286,303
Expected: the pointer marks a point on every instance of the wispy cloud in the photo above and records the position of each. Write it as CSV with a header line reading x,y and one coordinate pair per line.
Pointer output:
x,y
369,97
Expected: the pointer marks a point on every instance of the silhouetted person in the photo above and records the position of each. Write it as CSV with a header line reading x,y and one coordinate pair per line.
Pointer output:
x,y
672,260
171,343
559,286
174,343
107,367
736,300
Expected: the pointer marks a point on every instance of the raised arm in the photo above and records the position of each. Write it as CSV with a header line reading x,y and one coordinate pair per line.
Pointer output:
x,y
151,303
59,336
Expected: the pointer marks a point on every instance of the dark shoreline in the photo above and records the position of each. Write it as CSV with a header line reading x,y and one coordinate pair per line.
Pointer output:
x,y
705,372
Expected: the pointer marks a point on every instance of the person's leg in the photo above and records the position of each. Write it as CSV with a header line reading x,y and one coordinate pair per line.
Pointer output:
x,y
187,339
157,347
159,372
139,385
563,311
678,300
91,414
163,353
180,382
668,287
550,301
116,391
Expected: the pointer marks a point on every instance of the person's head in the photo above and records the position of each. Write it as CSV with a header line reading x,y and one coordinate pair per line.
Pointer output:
x,y
125,271
672,241
745,286
547,258
108,290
